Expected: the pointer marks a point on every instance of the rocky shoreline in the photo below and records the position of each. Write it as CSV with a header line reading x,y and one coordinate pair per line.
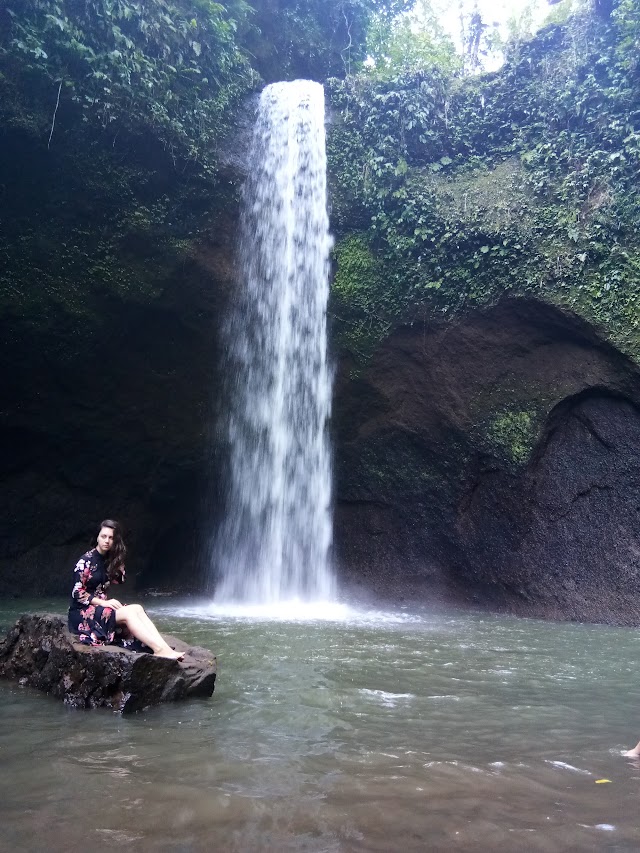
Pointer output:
x,y
38,651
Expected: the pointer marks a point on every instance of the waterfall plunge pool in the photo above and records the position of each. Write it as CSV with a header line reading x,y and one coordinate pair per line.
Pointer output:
x,y
362,731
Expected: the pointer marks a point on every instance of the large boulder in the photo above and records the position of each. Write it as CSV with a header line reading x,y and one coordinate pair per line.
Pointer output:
x,y
40,651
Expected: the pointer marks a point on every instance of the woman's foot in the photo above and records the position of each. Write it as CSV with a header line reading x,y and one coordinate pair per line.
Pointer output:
x,y
169,653
632,753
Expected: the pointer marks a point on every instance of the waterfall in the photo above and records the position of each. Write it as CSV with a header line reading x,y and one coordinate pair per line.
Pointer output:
x,y
274,540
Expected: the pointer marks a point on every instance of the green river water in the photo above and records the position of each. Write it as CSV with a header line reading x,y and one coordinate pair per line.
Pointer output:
x,y
368,731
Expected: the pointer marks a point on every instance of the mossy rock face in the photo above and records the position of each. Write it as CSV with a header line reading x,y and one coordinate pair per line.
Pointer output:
x,y
512,434
484,314
116,273
491,461
560,540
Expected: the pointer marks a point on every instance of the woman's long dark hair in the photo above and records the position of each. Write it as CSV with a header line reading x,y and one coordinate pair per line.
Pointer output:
x,y
115,559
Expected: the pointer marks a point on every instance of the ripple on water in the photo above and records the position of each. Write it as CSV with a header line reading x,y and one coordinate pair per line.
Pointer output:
x,y
564,766
389,700
337,735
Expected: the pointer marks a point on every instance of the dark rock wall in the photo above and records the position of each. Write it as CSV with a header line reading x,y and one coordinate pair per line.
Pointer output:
x,y
492,460
115,427
564,538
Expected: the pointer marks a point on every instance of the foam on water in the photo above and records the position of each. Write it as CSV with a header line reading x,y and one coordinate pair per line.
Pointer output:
x,y
389,700
292,610
564,766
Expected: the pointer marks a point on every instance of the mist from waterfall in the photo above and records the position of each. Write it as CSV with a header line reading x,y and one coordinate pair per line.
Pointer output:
x,y
274,541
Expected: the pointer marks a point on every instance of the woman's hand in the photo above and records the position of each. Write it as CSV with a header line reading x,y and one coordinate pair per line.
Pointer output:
x,y
112,602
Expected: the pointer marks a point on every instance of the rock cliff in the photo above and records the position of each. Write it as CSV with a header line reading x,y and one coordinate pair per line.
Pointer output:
x,y
492,461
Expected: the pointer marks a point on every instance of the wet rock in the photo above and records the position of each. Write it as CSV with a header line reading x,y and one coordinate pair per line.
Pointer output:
x,y
40,652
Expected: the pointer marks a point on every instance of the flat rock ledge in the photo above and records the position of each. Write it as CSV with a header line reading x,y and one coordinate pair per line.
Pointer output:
x,y
41,652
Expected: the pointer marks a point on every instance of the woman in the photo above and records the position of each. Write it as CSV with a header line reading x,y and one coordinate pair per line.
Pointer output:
x,y
92,615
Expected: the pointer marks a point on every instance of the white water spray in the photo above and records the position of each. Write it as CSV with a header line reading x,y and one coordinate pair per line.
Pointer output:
x,y
274,541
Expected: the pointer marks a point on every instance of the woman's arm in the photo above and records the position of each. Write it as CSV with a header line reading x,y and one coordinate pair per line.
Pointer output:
x,y
83,573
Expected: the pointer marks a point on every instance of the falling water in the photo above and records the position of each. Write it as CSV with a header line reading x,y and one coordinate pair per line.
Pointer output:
x,y
273,544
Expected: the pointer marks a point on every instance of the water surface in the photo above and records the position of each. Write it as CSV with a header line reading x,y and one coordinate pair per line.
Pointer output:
x,y
382,732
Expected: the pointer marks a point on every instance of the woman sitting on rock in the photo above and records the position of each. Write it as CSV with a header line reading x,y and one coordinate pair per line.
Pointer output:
x,y
92,615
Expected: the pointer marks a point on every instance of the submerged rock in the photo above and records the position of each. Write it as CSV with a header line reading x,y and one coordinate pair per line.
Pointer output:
x,y
39,651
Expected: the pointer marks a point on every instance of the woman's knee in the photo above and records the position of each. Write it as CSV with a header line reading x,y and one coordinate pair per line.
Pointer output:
x,y
130,611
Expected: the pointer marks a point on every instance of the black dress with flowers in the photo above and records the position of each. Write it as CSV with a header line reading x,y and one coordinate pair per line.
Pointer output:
x,y
94,624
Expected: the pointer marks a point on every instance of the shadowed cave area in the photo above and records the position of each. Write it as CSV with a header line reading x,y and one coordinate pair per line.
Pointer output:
x,y
493,461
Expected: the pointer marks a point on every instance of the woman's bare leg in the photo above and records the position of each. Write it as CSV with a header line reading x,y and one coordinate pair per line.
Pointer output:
x,y
633,753
142,613
144,616
143,629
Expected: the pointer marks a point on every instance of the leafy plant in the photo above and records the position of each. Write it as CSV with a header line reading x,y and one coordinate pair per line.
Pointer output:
x,y
524,180
167,67
314,38
411,42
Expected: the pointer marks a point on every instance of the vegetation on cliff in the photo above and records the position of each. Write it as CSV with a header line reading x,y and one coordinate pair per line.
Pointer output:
x,y
111,112
168,68
315,39
459,190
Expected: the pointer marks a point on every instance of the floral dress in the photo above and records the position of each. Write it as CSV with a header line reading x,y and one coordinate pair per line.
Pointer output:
x,y
94,624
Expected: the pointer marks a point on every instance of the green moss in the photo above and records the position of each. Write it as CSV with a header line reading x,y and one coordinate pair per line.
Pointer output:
x,y
358,302
606,292
498,197
357,270
512,433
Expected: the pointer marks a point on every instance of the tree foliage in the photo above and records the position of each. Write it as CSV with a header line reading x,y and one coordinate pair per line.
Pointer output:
x,y
522,180
172,68
413,41
169,67
110,116
314,38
